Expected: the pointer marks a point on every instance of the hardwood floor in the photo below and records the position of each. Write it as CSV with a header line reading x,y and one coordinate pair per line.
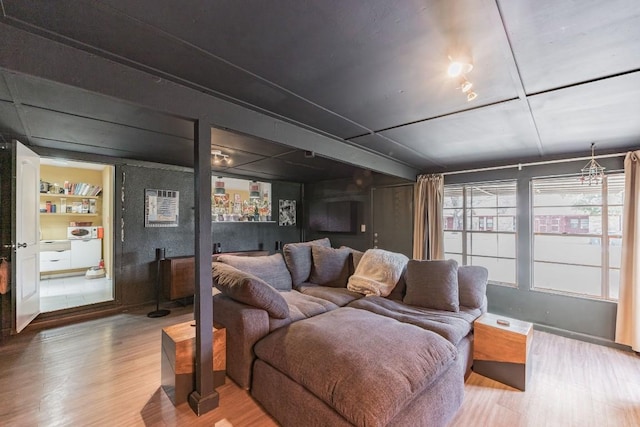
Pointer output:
x,y
107,372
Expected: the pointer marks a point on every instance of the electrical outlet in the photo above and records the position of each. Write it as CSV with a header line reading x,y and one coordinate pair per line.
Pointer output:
x,y
363,228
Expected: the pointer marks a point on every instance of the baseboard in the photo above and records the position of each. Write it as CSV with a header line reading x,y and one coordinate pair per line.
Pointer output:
x,y
581,337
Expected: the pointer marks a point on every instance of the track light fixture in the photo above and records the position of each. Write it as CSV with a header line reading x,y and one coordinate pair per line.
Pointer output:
x,y
458,68
218,157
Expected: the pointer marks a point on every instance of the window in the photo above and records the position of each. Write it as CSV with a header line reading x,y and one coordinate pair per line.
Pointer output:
x,y
580,253
480,227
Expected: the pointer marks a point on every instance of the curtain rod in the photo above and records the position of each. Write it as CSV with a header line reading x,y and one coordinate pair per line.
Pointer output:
x,y
546,162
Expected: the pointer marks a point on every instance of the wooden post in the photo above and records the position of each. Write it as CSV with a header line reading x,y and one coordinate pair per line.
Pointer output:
x,y
204,398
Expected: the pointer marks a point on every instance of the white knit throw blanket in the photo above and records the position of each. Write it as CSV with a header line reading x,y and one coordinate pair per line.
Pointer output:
x,y
377,273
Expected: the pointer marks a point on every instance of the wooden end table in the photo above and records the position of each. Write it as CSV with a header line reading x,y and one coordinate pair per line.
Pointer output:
x,y
501,351
178,359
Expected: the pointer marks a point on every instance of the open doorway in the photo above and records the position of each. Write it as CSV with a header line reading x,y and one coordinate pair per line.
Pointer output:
x,y
76,208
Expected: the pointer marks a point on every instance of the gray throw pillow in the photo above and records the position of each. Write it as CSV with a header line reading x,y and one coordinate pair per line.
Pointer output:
x,y
472,285
433,284
270,268
398,292
330,266
248,289
356,256
298,259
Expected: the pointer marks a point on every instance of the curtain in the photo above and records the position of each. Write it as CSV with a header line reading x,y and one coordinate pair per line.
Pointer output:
x,y
628,317
428,235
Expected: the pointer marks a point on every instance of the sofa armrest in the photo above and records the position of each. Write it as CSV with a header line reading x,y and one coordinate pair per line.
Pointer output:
x,y
245,326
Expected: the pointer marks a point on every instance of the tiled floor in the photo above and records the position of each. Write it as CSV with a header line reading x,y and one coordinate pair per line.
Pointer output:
x,y
74,291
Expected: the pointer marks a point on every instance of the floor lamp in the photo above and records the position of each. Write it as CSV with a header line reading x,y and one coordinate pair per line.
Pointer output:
x,y
160,252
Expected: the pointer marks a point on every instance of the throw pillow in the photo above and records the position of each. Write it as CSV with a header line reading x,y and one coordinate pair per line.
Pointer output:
x,y
356,256
472,285
398,292
270,268
248,289
298,259
330,266
433,284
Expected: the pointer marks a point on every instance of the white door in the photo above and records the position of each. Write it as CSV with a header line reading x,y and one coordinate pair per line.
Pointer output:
x,y
27,238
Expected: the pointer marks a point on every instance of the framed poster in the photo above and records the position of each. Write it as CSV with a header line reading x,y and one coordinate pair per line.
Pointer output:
x,y
287,212
161,208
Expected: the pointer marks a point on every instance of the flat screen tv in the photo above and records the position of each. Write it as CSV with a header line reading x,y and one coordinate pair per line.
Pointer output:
x,y
334,217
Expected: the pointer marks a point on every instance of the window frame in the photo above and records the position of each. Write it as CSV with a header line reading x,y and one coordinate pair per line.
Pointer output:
x,y
467,230
605,239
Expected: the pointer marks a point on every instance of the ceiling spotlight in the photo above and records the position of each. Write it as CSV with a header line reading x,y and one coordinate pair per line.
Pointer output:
x,y
471,96
465,85
219,157
457,68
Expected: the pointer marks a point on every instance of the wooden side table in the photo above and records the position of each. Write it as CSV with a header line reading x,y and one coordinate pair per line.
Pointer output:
x,y
501,352
178,359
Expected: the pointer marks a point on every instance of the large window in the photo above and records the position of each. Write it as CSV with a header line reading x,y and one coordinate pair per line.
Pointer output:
x,y
480,227
577,235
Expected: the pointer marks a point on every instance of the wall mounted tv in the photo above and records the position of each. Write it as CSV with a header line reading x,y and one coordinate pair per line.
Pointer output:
x,y
334,217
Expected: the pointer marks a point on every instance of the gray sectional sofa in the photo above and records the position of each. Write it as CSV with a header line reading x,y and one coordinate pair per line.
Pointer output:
x,y
314,352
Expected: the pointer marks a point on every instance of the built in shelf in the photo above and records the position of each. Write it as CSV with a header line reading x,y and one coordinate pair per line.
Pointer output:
x,y
70,196
243,222
66,214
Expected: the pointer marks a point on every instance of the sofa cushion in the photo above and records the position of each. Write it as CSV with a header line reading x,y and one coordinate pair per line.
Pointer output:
x,y
338,296
298,258
248,289
453,326
368,371
472,285
271,269
330,266
301,307
432,284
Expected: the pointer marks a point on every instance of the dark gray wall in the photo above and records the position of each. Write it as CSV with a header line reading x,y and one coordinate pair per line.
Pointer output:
x,y
6,203
584,318
135,245
357,189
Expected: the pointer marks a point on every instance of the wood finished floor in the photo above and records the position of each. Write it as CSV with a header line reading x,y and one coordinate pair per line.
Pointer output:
x,y
107,372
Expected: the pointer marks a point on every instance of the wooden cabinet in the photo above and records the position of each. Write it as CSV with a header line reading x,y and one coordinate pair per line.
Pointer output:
x,y
178,274
501,349
178,357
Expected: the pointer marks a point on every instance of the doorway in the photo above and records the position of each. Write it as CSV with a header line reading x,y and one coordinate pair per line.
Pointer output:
x,y
392,220
76,206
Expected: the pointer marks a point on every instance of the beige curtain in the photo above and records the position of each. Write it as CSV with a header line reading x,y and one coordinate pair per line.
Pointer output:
x,y
428,235
628,317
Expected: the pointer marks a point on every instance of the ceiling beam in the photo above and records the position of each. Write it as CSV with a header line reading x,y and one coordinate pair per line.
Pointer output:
x,y
27,53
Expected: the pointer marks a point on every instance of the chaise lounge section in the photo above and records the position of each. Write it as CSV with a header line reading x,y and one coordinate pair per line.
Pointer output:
x,y
321,354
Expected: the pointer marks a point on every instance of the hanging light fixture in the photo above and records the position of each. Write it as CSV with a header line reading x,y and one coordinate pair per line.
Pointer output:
x,y
218,158
593,172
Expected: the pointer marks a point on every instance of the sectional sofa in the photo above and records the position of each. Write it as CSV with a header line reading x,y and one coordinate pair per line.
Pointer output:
x,y
315,351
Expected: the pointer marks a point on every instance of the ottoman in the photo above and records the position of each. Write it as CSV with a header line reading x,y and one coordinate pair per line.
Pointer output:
x,y
354,367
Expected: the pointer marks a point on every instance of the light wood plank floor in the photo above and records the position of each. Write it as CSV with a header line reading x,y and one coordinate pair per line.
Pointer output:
x,y
107,372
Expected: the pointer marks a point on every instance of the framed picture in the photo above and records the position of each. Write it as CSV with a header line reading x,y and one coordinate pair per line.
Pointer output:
x,y
287,212
161,208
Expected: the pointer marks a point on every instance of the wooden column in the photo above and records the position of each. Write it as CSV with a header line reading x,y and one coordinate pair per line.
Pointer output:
x,y
204,398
